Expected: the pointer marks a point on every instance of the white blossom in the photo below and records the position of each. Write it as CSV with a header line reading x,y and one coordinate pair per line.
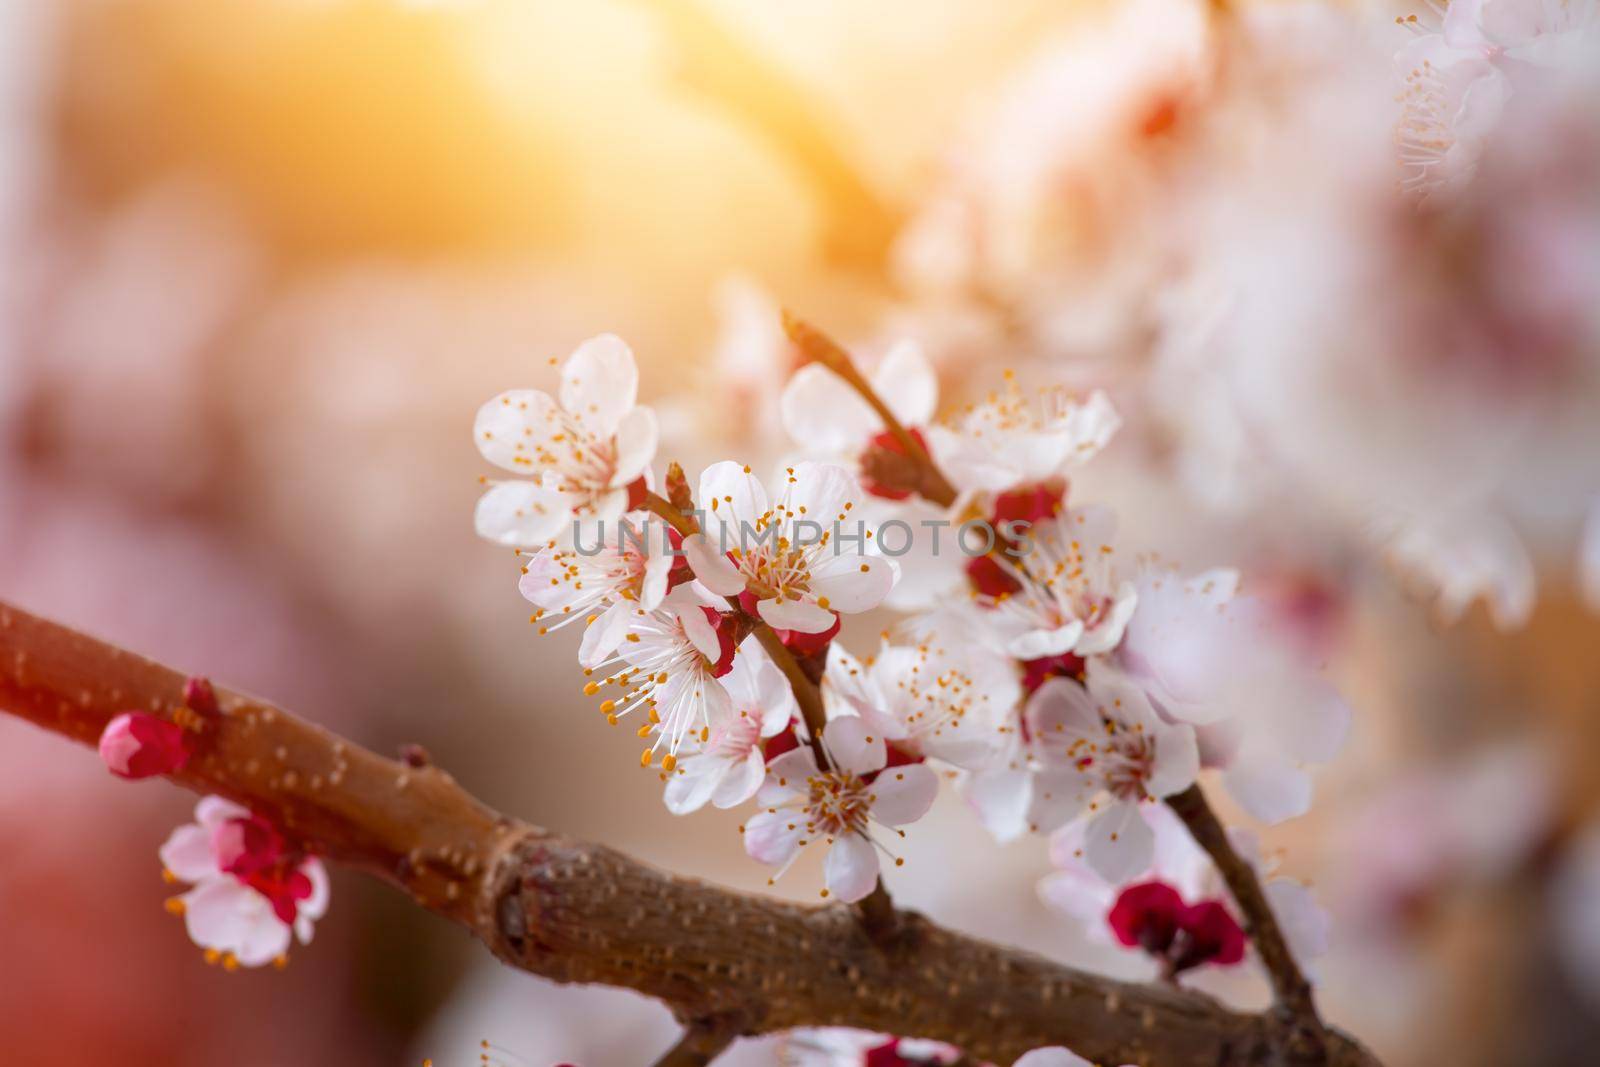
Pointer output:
x,y
581,452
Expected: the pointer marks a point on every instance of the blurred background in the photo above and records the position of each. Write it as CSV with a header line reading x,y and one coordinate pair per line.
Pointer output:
x,y
260,262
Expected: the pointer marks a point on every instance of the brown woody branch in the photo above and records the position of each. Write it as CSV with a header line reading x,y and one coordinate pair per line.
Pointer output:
x,y
572,911
1290,990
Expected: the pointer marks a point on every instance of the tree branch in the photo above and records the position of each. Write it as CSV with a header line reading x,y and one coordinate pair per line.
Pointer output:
x,y
573,911
1290,989
701,1043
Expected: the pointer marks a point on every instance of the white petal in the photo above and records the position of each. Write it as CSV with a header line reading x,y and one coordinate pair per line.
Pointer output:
x,y
212,812
714,569
657,575
788,776
1037,644
903,794
822,414
188,854
522,514
1090,426
853,583
1269,788
637,437
228,916
1058,797
515,428
852,747
700,632
1059,711
1177,761
602,637
1119,844
1305,924
730,495
1052,1056
773,837
599,383
691,785
851,869
742,781
819,492
907,384
316,905
1001,798
805,616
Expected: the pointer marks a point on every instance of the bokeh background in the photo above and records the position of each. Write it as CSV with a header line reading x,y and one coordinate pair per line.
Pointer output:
x,y
261,261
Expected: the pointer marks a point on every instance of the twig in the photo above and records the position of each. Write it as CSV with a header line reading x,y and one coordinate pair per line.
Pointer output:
x,y
573,911
1291,992
818,347
701,1043
876,909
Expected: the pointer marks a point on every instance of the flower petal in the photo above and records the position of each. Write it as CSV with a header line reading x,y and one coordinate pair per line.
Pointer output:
x,y
730,495
741,782
907,383
1177,761
1039,644
852,747
851,582
773,837
229,916
600,383
603,636
1052,1056
690,787
638,434
522,514
851,869
804,615
1001,797
188,854
1119,844
903,794
1269,788
714,569
516,428
823,414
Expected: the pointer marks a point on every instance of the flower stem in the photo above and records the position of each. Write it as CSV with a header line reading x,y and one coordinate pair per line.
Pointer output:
x,y
1290,989
818,347
877,912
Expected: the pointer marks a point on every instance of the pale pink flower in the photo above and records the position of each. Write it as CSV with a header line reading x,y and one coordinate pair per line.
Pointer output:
x,y
1076,889
1019,437
836,1046
250,894
728,767
1068,596
582,453
788,557
668,668
1225,664
608,584
942,697
802,804
1103,746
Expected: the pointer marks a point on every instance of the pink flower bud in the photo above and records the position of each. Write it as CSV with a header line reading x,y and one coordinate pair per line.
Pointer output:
x,y
138,745
198,696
